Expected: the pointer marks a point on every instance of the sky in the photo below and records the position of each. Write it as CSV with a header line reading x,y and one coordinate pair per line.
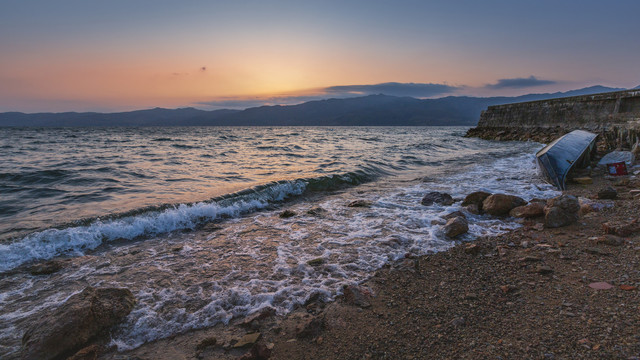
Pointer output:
x,y
85,55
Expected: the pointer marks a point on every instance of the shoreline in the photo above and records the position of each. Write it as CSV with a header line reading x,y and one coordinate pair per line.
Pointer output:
x,y
522,294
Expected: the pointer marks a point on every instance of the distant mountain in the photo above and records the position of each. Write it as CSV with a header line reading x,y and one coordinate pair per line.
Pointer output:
x,y
372,110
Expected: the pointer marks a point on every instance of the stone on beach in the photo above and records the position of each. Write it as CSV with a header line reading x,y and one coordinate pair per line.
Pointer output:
x,y
501,204
561,211
623,229
474,200
531,210
78,320
436,197
608,193
456,226
46,268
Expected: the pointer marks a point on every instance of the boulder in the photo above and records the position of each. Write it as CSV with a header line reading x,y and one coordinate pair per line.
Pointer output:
x,y
561,211
530,210
456,226
436,197
454,214
82,317
501,204
475,198
608,193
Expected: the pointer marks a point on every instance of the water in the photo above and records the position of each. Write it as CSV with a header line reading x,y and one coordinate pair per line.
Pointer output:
x,y
187,218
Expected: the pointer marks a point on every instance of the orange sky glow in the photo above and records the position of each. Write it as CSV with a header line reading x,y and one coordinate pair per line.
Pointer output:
x,y
115,57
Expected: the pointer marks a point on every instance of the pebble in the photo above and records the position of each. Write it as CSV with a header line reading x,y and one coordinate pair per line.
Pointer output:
x,y
544,269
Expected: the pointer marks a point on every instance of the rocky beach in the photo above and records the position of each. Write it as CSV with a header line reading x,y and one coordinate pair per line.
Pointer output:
x,y
551,289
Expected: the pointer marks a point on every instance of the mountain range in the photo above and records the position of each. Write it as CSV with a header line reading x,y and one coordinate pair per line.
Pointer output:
x,y
371,110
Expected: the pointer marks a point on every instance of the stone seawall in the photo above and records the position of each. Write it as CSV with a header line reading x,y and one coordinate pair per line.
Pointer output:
x,y
615,116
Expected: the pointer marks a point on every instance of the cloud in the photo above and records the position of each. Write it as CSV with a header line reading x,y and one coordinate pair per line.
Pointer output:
x,y
518,83
417,90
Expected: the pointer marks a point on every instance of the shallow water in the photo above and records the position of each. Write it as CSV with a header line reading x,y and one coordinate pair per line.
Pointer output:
x,y
212,257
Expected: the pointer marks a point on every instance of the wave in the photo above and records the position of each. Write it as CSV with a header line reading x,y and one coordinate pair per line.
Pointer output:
x,y
85,235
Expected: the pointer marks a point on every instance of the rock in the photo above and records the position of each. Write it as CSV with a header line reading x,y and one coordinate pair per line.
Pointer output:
x,y
257,316
471,296
316,262
561,211
600,285
608,193
474,208
620,228
627,287
310,328
610,240
358,296
46,268
257,352
91,352
435,197
454,215
316,211
501,204
531,210
583,180
472,249
360,203
507,289
287,214
544,269
531,259
247,340
75,322
458,322
206,342
456,226
596,251
475,198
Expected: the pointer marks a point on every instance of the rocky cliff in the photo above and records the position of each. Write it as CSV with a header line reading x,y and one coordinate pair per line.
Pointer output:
x,y
614,115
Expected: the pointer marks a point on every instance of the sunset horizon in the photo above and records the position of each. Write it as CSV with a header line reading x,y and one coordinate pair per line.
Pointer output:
x,y
119,56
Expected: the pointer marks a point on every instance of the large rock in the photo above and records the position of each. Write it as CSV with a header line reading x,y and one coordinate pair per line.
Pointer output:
x,y
75,322
501,204
456,226
561,211
531,210
475,199
436,197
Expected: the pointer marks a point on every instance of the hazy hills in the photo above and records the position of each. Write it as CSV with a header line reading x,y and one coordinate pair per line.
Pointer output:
x,y
371,110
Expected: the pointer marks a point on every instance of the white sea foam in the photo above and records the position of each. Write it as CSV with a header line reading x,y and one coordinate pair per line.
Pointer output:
x,y
262,261
77,240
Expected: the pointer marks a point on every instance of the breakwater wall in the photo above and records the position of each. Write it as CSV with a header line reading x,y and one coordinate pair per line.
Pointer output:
x,y
615,116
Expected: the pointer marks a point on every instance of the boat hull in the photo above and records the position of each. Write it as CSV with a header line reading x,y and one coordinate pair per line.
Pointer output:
x,y
563,154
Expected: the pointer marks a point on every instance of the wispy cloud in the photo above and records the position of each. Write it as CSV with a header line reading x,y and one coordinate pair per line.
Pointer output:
x,y
417,90
518,83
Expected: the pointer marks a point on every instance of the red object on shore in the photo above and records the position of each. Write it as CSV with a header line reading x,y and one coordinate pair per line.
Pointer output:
x,y
617,169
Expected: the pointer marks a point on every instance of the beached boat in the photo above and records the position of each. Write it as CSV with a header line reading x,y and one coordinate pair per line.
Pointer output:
x,y
565,153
